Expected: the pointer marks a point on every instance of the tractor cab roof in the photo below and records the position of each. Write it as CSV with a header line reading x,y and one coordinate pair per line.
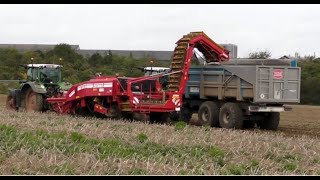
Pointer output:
x,y
156,68
44,65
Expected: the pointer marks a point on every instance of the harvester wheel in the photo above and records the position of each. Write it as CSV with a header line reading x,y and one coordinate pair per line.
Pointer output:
x,y
141,117
115,112
34,101
136,116
82,112
271,121
208,114
231,116
168,118
10,103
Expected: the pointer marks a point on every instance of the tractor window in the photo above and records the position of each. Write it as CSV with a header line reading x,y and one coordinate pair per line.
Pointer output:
x,y
49,74
32,73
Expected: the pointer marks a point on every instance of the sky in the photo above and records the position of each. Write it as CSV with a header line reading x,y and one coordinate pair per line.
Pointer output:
x,y
281,29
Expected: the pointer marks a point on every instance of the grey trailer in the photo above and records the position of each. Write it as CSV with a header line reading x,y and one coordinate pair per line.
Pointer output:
x,y
241,96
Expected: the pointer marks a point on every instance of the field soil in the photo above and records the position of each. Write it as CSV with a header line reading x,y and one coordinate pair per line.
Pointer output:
x,y
47,143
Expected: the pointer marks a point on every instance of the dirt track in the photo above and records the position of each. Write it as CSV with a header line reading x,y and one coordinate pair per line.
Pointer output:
x,y
303,120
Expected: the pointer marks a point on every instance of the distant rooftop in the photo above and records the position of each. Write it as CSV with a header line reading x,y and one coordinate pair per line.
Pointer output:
x,y
137,54
28,47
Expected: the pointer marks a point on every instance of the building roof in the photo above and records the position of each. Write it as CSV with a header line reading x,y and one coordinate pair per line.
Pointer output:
x,y
28,47
137,54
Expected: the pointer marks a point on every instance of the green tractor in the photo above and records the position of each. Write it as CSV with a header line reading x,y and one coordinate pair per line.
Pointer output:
x,y
43,81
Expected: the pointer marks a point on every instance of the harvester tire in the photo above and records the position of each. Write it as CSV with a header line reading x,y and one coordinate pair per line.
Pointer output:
x,y
141,117
271,122
115,112
231,116
169,119
34,101
208,114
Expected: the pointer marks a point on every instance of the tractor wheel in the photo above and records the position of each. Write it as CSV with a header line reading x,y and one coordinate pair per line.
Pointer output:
x,y
231,116
10,103
208,114
271,121
34,101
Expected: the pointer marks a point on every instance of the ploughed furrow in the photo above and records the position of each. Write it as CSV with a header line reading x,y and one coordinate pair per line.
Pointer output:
x,y
177,62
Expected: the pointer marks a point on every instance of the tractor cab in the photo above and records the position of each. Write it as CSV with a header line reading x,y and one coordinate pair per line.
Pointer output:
x,y
148,71
44,73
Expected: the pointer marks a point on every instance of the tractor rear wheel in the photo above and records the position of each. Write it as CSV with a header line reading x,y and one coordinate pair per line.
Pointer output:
x,y
10,103
34,101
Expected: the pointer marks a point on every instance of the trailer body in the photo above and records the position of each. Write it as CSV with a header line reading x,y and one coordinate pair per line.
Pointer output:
x,y
254,88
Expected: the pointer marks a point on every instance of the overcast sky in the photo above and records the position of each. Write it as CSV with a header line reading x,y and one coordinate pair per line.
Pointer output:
x,y
281,29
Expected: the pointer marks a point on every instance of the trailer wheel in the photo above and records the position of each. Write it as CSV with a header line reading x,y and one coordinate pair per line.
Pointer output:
x,y
34,101
271,121
231,116
10,102
208,114
249,124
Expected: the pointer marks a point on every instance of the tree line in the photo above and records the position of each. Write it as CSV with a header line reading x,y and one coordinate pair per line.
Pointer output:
x,y
78,68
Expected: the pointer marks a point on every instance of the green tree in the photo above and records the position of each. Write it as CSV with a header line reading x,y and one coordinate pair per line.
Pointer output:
x,y
260,55
10,59
96,59
310,80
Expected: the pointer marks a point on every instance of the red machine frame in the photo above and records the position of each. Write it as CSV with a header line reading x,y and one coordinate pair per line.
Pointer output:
x,y
109,88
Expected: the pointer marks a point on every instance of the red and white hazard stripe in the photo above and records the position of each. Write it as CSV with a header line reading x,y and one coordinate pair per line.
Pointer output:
x,y
135,100
177,103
